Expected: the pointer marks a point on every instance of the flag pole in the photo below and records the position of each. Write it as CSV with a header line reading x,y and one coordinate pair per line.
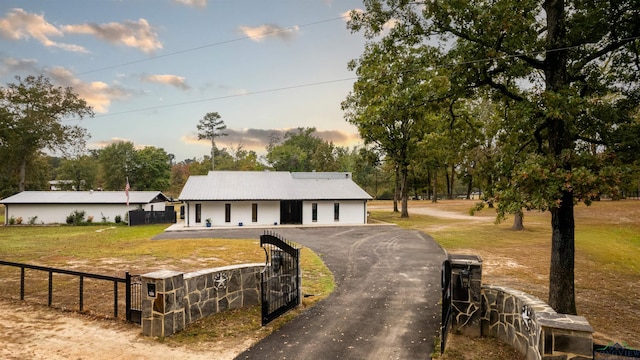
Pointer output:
x,y
126,191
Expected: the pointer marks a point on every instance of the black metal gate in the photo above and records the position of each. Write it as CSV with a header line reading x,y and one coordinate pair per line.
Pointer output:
x,y
280,278
142,217
134,298
446,303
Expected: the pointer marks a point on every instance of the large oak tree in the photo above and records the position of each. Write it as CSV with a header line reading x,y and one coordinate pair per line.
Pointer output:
x,y
573,65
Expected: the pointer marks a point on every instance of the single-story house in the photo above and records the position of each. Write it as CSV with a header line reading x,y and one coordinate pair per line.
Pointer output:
x,y
53,207
240,198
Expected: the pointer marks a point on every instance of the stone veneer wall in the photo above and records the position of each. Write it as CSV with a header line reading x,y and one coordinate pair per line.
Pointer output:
x,y
533,327
181,299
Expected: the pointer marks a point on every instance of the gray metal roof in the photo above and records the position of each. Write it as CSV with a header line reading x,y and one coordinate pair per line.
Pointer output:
x,y
272,185
84,197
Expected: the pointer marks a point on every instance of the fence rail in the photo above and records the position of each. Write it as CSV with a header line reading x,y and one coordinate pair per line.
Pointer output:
x,y
81,275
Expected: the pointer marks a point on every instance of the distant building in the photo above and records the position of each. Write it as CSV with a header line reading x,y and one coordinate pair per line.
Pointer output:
x,y
60,185
233,198
53,207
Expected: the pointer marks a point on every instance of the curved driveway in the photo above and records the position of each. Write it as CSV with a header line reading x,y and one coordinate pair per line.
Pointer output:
x,y
386,302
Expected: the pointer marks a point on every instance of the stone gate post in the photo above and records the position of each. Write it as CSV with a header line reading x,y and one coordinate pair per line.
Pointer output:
x,y
466,299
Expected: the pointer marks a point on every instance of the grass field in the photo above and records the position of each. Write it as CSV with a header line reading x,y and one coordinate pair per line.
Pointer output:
x,y
607,269
607,252
111,250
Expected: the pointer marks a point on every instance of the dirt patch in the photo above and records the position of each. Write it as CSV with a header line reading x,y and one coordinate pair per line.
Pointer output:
x,y
33,332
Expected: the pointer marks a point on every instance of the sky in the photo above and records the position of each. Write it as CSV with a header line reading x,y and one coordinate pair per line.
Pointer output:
x,y
151,69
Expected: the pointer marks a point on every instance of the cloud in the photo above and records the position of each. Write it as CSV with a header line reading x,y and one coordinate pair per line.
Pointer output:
x,y
114,140
97,93
194,3
260,33
104,143
347,15
258,139
173,80
339,138
21,25
139,35
12,66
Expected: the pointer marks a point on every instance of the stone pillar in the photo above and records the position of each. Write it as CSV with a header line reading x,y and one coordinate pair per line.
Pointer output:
x,y
162,303
466,298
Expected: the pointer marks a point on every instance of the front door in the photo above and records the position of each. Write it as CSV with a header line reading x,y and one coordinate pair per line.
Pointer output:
x,y
290,212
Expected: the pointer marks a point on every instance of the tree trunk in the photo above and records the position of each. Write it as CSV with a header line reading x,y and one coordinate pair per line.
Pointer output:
x,y
561,274
395,191
404,191
517,221
429,184
469,186
213,152
449,179
23,175
434,192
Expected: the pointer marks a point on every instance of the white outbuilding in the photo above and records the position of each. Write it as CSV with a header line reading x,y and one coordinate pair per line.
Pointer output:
x,y
53,207
245,198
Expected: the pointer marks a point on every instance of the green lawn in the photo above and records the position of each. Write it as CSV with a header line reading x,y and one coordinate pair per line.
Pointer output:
x,y
607,248
110,249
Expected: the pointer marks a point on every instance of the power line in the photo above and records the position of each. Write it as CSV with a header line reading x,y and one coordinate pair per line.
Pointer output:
x,y
229,96
179,52
453,64
448,65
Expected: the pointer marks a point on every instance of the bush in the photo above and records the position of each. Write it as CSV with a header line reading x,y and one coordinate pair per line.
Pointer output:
x,y
12,220
32,220
90,219
19,220
118,219
76,217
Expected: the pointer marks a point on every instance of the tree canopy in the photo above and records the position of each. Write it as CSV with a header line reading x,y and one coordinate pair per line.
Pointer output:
x,y
32,115
210,127
145,169
570,68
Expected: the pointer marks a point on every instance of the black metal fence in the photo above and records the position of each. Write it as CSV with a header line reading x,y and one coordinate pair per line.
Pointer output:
x,y
280,288
127,280
142,217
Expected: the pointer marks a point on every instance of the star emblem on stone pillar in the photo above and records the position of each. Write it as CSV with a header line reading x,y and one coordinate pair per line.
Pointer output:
x,y
220,281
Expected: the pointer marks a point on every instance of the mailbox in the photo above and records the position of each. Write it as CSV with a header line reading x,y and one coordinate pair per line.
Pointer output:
x,y
151,290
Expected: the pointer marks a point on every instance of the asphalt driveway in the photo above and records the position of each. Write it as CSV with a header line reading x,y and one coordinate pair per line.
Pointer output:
x,y
386,303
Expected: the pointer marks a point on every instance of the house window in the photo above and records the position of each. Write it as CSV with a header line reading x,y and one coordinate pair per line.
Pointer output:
x,y
198,213
336,211
254,212
314,212
227,212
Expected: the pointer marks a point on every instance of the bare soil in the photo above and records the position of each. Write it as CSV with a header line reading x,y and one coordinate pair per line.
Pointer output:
x,y
36,332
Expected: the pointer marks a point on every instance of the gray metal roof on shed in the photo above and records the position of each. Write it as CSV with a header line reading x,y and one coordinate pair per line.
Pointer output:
x,y
84,197
272,185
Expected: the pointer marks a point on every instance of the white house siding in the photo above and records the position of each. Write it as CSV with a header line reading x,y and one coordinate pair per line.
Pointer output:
x,y
351,212
268,213
57,213
157,206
